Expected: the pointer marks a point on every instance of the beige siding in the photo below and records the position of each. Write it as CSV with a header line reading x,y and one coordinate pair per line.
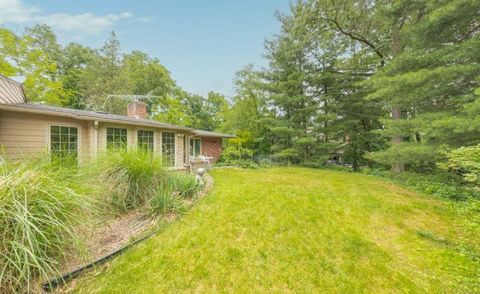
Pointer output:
x,y
26,135
158,142
86,141
10,91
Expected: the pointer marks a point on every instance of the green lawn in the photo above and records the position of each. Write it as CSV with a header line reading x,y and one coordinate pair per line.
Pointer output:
x,y
302,230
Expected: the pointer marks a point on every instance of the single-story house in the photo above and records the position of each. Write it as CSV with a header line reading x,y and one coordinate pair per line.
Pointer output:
x,y
28,129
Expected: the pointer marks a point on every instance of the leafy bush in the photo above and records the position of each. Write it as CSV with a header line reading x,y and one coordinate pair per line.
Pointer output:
x,y
289,155
133,176
185,184
237,155
465,161
264,161
236,152
40,203
318,162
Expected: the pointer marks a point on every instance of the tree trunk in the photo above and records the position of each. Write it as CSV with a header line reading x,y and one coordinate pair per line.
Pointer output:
x,y
325,105
397,167
355,165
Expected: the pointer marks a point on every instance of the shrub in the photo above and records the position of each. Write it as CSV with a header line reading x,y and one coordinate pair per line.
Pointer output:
x,y
264,161
133,176
185,184
319,162
237,155
465,161
289,155
40,203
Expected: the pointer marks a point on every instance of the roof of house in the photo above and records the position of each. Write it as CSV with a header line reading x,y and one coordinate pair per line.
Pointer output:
x,y
103,117
202,133
89,115
11,91
12,97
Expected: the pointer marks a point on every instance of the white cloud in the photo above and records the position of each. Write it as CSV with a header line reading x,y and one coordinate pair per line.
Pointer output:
x,y
86,22
14,11
144,19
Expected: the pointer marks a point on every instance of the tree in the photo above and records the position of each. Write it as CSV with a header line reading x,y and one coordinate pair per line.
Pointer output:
x,y
103,77
35,56
9,53
434,77
76,59
247,116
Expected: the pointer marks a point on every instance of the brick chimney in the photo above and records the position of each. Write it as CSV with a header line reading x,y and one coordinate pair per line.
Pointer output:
x,y
137,109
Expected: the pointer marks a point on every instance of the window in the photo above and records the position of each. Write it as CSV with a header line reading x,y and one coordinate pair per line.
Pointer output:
x,y
195,145
116,138
64,142
168,147
145,140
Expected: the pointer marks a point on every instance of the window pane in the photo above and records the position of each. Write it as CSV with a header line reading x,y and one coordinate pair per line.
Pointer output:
x,y
55,138
116,138
55,146
168,147
197,147
192,149
54,130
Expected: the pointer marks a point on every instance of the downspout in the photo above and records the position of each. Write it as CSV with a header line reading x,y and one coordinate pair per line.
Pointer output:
x,y
95,139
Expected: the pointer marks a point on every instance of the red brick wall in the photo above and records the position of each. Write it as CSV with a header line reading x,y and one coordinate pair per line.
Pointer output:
x,y
137,109
212,147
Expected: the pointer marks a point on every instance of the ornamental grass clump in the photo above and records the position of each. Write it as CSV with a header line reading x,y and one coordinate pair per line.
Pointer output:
x,y
185,184
169,197
133,177
164,201
40,205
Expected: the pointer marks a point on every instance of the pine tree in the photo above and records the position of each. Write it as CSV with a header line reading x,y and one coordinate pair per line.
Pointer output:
x,y
434,78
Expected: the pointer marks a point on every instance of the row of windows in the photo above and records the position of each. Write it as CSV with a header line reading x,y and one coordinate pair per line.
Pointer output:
x,y
64,142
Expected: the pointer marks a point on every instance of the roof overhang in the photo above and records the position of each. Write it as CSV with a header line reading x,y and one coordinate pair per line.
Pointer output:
x,y
83,117
208,134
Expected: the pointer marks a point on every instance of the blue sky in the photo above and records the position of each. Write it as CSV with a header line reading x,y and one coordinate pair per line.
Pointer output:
x,y
202,43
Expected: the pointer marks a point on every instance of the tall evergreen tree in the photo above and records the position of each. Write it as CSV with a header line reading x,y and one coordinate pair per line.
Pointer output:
x,y
434,78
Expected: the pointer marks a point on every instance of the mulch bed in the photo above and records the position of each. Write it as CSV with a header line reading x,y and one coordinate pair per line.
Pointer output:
x,y
112,234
